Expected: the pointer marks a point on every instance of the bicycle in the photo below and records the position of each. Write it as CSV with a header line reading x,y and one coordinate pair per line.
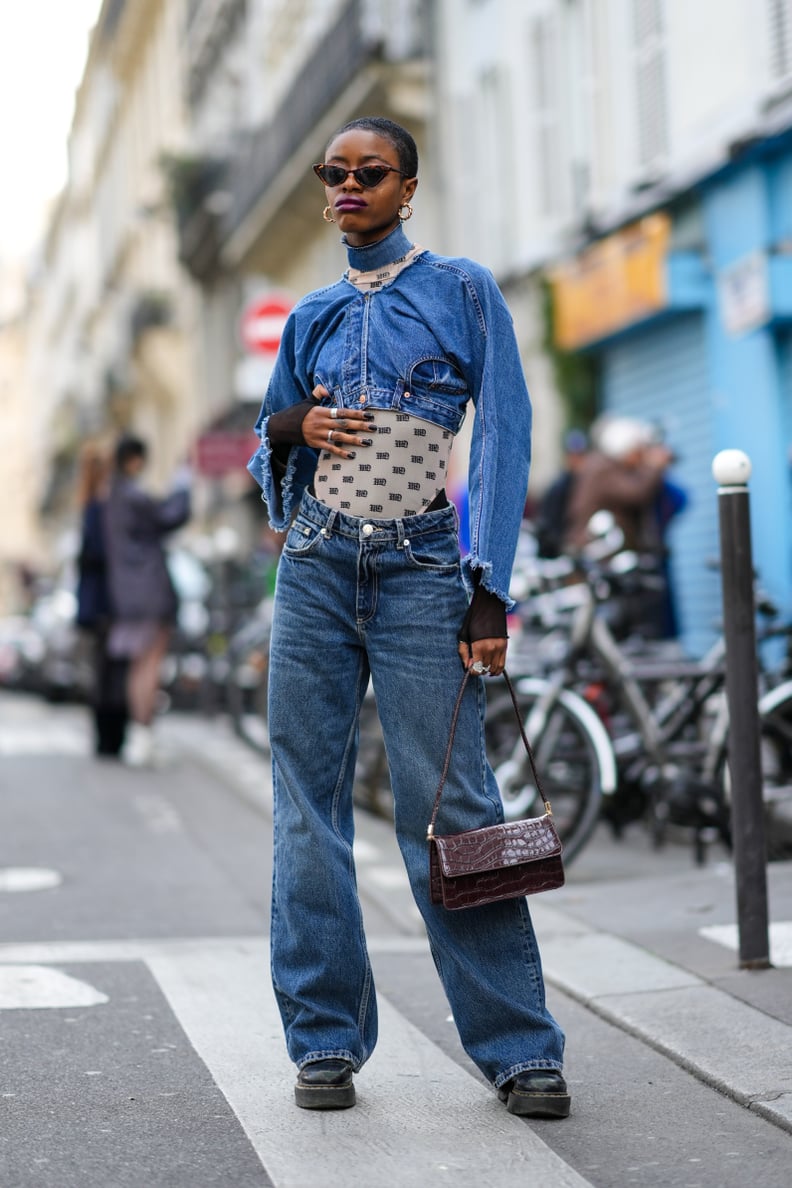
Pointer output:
x,y
624,736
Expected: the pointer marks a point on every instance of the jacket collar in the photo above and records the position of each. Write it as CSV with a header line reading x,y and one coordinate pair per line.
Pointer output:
x,y
383,251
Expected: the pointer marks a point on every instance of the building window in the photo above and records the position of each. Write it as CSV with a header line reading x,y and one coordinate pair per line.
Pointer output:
x,y
652,106
780,40
545,102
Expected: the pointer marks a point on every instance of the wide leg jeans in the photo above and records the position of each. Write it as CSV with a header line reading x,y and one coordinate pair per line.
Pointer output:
x,y
383,599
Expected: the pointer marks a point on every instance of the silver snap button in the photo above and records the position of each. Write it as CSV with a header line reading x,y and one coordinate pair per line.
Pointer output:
x,y
367,529
406,544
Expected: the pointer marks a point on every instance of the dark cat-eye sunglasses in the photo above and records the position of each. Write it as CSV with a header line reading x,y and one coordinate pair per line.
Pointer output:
x,y
367,176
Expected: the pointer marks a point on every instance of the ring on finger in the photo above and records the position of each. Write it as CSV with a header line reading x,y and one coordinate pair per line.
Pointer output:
x,y
334,413
329,436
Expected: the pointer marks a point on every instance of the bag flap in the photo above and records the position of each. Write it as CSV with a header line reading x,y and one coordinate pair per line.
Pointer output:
x,y
496,846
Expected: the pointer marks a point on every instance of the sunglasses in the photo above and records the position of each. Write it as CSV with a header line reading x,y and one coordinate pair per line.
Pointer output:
x,y
367,176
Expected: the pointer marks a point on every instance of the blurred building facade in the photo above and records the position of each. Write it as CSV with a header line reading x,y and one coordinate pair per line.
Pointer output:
x,y
631,193
20,544
640,151
110,326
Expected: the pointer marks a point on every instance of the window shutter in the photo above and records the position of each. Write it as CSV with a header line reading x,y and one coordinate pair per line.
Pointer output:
x,y
652,112
546,115
780,30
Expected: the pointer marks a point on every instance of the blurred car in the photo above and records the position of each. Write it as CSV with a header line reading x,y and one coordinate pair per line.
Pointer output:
x,y
47,653
21,652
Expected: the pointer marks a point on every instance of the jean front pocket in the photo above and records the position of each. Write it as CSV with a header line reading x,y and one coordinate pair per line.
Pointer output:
x,y
303,539
435,551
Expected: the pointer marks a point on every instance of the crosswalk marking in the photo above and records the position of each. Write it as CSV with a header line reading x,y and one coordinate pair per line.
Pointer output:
x,y
57,739
419,1118
36,987
780,933
29,878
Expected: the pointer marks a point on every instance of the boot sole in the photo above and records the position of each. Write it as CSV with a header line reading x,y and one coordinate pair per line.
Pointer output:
x,y
324,1097
538,1105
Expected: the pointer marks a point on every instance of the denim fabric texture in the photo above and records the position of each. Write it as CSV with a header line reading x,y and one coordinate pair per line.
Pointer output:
x,y
383,599
438,336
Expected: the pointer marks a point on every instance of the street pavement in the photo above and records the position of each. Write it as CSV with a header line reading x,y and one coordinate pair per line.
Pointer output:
x,y
140,1044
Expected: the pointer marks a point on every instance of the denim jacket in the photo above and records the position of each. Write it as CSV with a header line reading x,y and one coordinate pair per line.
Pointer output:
x,y
437,336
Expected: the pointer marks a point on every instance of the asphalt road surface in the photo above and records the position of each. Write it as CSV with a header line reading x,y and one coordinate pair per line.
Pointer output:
x,y
139,1041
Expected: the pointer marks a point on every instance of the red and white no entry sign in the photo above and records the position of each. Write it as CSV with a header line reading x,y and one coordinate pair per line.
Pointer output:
x,y
262,323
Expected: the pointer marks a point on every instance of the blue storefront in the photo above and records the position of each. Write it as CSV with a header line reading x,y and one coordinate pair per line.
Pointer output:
x,y
689,312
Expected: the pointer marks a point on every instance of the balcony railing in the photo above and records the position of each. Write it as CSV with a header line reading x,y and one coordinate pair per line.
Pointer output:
x,y
342,54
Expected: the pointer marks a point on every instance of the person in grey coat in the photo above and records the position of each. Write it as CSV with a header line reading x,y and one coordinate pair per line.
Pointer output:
x,y
143,601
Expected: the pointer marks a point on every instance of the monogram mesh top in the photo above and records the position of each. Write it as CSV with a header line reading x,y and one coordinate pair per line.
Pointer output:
x,y
403,469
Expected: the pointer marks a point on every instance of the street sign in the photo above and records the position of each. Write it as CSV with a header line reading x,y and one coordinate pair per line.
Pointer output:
x,y
223,451
262,323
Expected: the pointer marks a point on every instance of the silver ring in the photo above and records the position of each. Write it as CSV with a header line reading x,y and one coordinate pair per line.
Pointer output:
x,y
329,436
334,413
480,668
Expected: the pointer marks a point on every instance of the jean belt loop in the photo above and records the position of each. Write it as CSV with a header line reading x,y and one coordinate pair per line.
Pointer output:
x,y
328,528
400,534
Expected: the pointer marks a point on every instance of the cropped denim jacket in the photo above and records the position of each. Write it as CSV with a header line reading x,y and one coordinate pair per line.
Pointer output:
x,y
437,336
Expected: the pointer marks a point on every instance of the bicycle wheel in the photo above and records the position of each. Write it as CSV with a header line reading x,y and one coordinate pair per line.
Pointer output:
x,y
246,694
568,760
775,745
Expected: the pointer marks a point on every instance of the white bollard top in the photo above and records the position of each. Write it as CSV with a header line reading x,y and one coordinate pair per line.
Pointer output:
x,y
731,468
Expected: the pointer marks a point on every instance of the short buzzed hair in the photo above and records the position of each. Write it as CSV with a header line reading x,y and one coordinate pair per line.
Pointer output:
x,y
399,137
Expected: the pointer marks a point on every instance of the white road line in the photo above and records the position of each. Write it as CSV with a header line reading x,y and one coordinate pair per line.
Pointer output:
x,y
35,987
29,878
87,952
780,939
420,1117
389,877
159,816
55,739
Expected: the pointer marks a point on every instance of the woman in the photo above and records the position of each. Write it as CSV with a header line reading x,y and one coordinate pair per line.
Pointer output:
x,y
368,391
93,607
142,596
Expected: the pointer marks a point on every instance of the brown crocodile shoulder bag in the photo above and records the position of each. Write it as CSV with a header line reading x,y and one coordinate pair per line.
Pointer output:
x,y
503,861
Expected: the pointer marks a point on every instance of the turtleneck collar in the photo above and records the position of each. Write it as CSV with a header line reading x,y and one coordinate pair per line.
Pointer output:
x,y
383,251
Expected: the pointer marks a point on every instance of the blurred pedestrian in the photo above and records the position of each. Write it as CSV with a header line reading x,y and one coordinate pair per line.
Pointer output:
x,y
143,599
551,521
624,474
371,384
108,696
672,500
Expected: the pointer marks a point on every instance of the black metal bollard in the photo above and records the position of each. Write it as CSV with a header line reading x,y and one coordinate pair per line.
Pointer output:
x,y
732,469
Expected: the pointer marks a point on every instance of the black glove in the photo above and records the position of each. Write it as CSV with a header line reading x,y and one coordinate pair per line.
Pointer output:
x,y
486,616
285,427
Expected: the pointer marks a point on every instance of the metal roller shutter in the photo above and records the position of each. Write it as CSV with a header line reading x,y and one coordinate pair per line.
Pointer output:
x,y
661,375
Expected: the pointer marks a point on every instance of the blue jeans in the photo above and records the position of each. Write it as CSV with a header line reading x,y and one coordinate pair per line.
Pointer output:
x,y
384,599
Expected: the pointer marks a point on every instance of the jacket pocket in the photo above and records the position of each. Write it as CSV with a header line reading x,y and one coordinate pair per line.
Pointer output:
x,y
436,375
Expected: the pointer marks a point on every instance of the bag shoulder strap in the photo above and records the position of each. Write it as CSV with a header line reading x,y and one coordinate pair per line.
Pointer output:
x,y
452,733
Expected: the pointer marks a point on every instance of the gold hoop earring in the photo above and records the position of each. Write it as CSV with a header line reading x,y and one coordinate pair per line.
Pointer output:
x,y
325,214
405,206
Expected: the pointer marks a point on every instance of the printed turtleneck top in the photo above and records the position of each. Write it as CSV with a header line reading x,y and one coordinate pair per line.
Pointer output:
x,y
401,472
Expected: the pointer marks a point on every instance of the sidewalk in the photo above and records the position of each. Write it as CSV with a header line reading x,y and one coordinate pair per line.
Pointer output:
x,y
655,954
